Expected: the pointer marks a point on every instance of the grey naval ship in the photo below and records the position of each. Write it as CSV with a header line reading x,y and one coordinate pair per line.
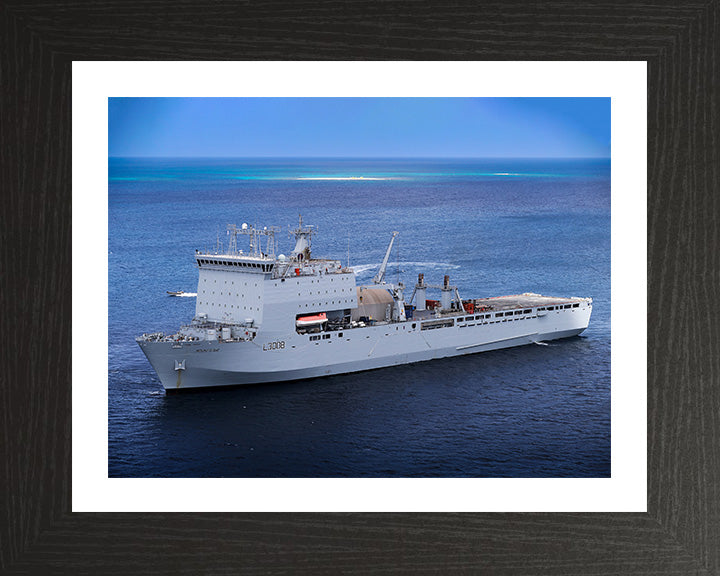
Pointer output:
x,y
261,318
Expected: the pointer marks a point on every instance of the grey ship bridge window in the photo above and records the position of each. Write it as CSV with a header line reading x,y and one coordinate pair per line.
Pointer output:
x,y
263,267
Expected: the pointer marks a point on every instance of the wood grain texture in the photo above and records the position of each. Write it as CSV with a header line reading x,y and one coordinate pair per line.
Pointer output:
x,y
681,532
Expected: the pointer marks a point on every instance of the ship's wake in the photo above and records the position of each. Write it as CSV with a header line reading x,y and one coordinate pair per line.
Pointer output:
x,y
362,268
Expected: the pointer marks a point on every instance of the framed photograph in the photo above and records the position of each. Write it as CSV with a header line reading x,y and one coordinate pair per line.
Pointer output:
x,y
538,224
60,463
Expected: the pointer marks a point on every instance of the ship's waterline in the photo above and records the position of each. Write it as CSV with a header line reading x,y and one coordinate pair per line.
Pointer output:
x,y
264,318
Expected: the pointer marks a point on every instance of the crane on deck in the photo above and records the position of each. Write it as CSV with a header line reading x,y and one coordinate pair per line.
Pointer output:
x,y
380,276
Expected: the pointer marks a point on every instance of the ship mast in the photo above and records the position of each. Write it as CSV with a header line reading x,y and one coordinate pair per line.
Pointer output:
x,y
255,235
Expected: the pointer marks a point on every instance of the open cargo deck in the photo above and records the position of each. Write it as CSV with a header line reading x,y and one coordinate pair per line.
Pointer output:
x,y
526,300
501,305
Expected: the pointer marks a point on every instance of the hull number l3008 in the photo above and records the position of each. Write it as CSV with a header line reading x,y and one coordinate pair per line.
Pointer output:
x,y
274,345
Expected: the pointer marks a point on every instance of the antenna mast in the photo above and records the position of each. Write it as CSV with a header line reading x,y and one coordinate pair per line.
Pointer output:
x,y
255,235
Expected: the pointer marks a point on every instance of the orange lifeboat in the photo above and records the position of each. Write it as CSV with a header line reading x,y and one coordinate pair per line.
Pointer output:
x,y
308,321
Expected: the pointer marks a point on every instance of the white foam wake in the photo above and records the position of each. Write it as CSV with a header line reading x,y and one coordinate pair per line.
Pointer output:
x,y
187,295
431,265
362,268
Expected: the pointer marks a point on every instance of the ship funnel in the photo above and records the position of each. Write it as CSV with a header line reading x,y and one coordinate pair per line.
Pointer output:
x,y
301,245
303,238
420,292
446,294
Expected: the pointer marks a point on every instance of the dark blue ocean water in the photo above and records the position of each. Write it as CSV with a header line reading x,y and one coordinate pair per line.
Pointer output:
x,y
495,226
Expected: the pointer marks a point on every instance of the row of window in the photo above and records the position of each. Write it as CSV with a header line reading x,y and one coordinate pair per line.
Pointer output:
x,y
518,312
220,305
326,292
497,321
468,318
243,265
433,324
328,303
324,336
232,282
236,294
559,307
343,277
512,312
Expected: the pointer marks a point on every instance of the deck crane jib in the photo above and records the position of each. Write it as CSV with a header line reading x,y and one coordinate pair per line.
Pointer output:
x,y
380,276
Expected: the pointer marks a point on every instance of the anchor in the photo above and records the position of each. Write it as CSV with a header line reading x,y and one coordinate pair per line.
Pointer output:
x,y
179,367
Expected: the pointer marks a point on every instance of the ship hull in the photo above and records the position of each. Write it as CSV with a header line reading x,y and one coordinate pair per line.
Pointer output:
x,y
277,357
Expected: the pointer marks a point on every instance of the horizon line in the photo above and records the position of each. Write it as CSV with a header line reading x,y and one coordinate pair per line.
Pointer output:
x,y
374,157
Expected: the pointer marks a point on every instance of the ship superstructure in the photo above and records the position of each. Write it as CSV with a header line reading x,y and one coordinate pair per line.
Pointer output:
x,y
266,318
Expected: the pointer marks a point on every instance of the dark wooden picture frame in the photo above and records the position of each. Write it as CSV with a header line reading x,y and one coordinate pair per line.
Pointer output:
x,y
680,533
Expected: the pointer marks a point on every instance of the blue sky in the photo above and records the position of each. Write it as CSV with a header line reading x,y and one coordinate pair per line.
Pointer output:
x,y
360,127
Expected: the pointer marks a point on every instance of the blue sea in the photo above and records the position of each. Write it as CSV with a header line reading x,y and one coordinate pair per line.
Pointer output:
x,y
495,226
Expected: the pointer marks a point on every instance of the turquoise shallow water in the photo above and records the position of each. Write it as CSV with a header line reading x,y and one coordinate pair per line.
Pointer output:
x,y
495,226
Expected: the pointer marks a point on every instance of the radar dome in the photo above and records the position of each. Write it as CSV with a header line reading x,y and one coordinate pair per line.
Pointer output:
x,y
282,257
244,226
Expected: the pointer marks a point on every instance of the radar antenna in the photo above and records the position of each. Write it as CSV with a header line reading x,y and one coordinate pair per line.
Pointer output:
x,y
255,233
379,277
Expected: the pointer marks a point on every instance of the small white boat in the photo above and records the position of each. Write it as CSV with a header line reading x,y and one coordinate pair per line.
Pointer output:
x,y
178,293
